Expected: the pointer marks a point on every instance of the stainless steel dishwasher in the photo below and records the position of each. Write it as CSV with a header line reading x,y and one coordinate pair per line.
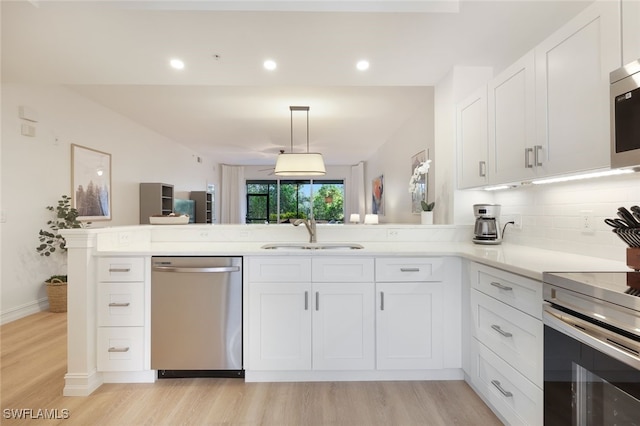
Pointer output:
x,y
196,316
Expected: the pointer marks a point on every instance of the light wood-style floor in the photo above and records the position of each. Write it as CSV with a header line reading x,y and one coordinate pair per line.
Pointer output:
x,y
34,363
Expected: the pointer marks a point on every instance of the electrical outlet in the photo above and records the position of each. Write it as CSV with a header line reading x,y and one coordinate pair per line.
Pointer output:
x,y
516,218
586,221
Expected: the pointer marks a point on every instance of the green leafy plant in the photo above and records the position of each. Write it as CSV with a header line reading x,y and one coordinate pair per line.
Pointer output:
x,y
66,217
427,207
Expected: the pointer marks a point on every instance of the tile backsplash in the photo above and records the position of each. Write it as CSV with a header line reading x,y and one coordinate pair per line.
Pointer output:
x,y
554,215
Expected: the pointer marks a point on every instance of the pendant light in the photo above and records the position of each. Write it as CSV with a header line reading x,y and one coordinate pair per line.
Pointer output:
x,y
301,163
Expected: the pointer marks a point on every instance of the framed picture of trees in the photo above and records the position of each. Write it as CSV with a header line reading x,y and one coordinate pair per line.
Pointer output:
x,y
91,183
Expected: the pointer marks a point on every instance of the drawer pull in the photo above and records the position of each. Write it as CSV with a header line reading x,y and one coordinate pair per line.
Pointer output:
x,y
501,286
119,269
306,300
119,305
409,269
501,389
382,300
317,301
114,349
501,331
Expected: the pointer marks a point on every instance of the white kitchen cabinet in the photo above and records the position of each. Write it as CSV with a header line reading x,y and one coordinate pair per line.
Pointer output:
x,y
280,326
343,326
505,364
511,123
630,10
121,314
471,136
409,325
572,90
417,313
297,324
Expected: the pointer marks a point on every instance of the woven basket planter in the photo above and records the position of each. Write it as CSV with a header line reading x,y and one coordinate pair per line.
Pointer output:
x,y
57,294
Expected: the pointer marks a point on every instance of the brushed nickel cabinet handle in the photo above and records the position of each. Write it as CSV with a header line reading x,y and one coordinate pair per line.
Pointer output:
x,y
409,269
114,349
538,155
527,158
382,300
501,389
119,305
482,168
501,286
306,300
119,269
317,301
501,331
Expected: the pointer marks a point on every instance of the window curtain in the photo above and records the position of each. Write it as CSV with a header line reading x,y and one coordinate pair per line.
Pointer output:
x,y
356,199
232,195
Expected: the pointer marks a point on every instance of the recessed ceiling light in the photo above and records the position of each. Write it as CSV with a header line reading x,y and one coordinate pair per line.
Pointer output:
x,y
177,64
270,65
362,65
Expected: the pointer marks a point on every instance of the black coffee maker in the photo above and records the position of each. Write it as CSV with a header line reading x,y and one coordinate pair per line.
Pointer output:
x,y
487,227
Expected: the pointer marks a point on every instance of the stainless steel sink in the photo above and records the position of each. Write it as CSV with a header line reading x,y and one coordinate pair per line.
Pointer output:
x,y
313,246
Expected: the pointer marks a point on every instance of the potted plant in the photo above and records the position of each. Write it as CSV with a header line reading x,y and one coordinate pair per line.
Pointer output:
x,y
426,215
51,242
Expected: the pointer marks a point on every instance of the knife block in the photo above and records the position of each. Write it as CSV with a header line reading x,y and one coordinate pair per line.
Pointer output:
x,y
633,258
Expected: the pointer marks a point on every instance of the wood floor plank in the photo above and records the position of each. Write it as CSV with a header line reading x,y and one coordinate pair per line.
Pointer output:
x,y
33,364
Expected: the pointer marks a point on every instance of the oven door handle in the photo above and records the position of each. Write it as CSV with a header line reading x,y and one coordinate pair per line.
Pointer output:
x,y
591,335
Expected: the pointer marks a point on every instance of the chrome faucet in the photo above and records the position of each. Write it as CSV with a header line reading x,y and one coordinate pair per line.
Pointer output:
x,y
311,227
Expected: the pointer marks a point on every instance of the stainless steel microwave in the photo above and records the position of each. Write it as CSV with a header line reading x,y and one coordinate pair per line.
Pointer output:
x,y
625,116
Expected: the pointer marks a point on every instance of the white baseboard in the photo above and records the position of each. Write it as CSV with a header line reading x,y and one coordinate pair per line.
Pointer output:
x,y
24,310
81,384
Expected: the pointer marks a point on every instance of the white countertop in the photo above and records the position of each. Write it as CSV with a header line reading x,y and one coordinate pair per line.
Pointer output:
x,y
527,261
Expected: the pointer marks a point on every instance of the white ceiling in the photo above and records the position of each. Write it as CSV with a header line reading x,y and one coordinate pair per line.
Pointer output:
x,y
234,111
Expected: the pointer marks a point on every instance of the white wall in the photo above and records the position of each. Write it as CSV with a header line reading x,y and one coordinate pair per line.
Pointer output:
x,y
552,214
393,161
36,172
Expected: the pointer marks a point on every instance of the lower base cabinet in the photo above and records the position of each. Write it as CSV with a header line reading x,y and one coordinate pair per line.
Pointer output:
x,y
409,326
337,318
325,326
518,401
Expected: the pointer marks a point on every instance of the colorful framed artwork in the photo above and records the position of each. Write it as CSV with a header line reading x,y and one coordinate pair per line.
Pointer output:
x,y
377,195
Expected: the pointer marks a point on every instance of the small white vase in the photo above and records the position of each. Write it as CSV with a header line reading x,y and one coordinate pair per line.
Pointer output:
x,y
426,218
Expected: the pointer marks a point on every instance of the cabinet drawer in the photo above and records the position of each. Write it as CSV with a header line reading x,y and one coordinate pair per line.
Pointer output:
x,y
409,269
121,304
120,269
339,269
520,292
518,400
274,269
515,336
120,348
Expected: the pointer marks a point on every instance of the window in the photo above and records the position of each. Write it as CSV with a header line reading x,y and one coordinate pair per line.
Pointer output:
x,y
295,199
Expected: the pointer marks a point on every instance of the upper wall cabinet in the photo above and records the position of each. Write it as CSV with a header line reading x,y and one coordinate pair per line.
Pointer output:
x,y
572,91
471,134
630,30
511,112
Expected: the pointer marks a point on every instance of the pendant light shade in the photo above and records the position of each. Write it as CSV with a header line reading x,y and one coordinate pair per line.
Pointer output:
x,y
301,163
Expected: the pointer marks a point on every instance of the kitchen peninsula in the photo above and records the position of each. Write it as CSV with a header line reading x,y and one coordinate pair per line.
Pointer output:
x,y
438,262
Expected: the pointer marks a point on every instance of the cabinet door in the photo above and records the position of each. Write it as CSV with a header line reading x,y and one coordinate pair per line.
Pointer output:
x,y
280,326
471,135
572,85
343,326
409,325
511,111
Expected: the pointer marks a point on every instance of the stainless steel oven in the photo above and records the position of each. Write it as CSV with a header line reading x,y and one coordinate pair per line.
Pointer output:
x,y
592,348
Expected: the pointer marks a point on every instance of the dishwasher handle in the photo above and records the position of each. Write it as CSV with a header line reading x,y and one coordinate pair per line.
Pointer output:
x,y
214,269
